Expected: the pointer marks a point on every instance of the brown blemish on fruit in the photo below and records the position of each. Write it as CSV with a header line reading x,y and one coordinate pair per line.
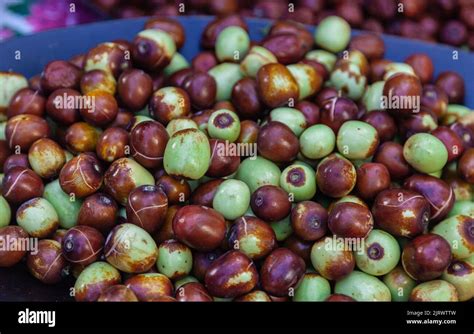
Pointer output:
x,y
296,177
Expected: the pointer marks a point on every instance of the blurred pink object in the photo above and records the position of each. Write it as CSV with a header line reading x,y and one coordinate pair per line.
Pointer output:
x,y
49,14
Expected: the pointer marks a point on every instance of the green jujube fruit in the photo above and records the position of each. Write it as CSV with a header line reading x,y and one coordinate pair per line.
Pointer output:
x,y
255,59
232,44
380,255
5,212
224,124
324,57
435,291
425,153
357,140
226,76
461,275
178,62
400,284
188,279
333,34
363,287
465,208
372,98
317,141
232,199
312,288
174,259
282,228
458,232
38,217
299,181
349,79
187,154
291,117
66,207
178,124
257,172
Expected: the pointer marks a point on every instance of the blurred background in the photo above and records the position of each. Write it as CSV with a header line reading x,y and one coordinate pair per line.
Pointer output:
x,y
439,21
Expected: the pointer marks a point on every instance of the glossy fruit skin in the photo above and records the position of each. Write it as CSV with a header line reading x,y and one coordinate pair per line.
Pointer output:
x,y
214,28
372,178
26,101
390,154
310,111
199,227
174,259
381,253
13,233
426,257
402,85
383,123
201,88
287,47
453,85
461,275
60,74
451,141
231,275
438,193
46,158
16,160
232,44
337,297
363,287
170,26
350,220
270,203
102,111
258,171
38,217
146,207
98,80
299,181
82,245
312,288
348,77
336,176
81,137
20,185
224,124
123,176
317,141
193,144
282,270
223,163
226,76
333,26
299,247
193,292
148,142
459,232
370,44
276,85
130,248
254,296
425,153
400,284
245,98
5,153
81,176
153,49
434,291
357,140
112,144
117,293
466,166
47,264
401,212
255,59
277,142
150,287
23,130
309,220
291,117
205,192
251,236
231,199
98,211
95,279
422,65
110,57
177,190
435,99
204,61
202,261
5,212
134,88
169,103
